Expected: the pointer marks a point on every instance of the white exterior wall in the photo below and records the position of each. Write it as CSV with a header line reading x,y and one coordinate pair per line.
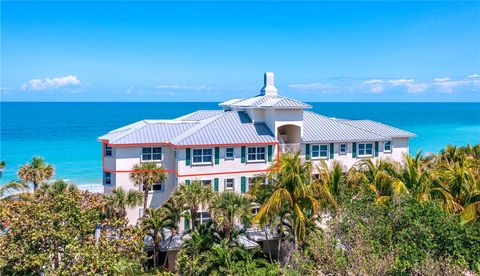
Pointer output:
x,y
123,159
399,146
235,165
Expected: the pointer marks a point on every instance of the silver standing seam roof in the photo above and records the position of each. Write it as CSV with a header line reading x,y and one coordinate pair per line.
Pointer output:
x,y
232,127
263,101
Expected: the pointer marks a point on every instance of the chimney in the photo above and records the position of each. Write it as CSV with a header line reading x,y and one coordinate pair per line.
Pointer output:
x,y
269,88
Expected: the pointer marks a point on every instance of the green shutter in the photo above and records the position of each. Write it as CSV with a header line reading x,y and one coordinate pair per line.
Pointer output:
x,y
243,154
270,153
243,184
354,150
376,149
215,184
217,155
187,182
188,157
331,150
186,224
307,151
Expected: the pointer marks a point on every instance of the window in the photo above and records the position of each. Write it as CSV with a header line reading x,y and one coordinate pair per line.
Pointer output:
x,y
203,217
207,182
229,183
343,148
320,151
107,178
229,153
108,150
157,186
256,154
201,156
387,146
152,154
365,149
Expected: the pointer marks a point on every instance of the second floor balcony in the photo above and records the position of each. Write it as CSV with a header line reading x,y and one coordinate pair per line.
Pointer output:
x,y
290,148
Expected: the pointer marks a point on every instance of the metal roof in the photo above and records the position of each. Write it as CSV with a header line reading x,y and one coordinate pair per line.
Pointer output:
x,y
389,131
230,102
263,101
199,115
233,127
208,127
318,128
145,132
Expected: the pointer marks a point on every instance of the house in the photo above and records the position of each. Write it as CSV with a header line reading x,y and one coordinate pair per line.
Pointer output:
x,y
226,148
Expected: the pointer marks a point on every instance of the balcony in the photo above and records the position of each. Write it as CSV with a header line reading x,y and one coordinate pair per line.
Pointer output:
x,y
291,148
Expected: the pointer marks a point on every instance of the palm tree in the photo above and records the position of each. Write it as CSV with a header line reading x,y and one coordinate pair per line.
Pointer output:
x,y
463,187
37,172
193,196
172,212
145,175
152,223
119,199
228,208
379,177
333,178
294,189
12,187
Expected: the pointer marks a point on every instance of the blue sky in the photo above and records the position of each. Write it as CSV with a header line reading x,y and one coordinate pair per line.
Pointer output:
x,y
164,51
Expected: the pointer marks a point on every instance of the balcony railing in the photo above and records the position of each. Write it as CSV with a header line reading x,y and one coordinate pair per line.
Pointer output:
x,y
291,148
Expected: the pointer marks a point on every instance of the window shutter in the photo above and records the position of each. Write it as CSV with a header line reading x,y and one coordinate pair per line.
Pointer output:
x,y
376,149
215,184
243,184
270,153
188,157
243,154
217,155
354,150
331,150
187,182
307,151
186,224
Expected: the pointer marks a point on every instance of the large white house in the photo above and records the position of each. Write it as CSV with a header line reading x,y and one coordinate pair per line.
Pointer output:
x,y
226,148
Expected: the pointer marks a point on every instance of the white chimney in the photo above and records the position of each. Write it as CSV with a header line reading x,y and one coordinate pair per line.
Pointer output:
x,y
269,88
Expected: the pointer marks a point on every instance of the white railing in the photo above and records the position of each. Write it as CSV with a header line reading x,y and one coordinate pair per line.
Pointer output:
x,y
291,148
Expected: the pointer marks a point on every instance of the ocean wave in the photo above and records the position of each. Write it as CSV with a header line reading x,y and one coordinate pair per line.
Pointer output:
x,y
95,188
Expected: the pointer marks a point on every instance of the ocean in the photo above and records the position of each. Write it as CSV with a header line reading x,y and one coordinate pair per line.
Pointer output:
x,y
65,134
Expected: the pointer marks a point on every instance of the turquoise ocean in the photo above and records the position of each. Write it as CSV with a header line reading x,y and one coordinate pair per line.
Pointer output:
x,y
65,134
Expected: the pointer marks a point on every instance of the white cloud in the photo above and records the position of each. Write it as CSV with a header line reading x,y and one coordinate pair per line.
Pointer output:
x,y
375,85
375,81
182,87
474,76
410,84
441,79
50,84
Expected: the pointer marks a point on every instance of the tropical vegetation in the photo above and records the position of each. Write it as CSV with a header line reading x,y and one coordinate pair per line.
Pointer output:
x,y
420,216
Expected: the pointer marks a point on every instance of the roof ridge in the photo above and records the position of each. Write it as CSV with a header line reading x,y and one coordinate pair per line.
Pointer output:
x,y
130,131
343,123
200,126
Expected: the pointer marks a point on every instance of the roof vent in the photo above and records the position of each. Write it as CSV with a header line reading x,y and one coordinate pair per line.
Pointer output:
x,y
269,88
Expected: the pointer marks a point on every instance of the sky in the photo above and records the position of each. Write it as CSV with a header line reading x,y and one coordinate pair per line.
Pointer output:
x,y
214,51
